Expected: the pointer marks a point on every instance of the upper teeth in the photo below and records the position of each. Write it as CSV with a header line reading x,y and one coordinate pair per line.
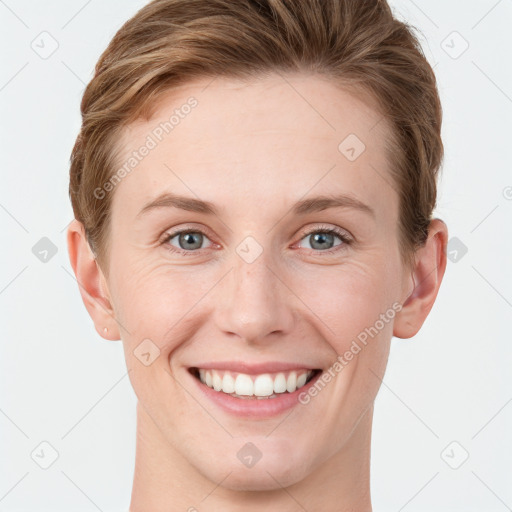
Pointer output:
x,y
254,385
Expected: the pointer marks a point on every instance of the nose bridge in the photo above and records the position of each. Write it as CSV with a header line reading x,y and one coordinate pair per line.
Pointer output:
x,y
254,303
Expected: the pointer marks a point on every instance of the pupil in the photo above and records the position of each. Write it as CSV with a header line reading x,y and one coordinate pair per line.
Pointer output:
x,y
322,238
189,238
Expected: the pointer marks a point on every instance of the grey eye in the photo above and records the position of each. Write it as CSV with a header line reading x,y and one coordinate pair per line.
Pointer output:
x,y
322,240
188,240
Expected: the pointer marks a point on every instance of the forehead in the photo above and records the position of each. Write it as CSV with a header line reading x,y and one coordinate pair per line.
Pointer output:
x,y
233,141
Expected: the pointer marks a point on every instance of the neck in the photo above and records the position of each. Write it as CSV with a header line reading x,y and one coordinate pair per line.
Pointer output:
x,y
165,481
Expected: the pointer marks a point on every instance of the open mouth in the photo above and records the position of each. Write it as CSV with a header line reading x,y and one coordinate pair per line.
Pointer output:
x,y
251,387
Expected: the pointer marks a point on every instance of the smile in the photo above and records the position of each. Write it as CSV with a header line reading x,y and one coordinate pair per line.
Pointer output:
x,y
261,386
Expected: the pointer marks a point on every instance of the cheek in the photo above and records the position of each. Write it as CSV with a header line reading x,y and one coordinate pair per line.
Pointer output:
x,y
165,304
160,309
158,302
349,300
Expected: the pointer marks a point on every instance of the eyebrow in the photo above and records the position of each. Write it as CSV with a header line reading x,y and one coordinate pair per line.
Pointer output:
x,y
303,207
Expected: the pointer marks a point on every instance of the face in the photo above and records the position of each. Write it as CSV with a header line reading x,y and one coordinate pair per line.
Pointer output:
x,y
246,277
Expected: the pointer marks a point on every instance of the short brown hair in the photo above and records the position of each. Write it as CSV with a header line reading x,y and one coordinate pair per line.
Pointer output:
x,y
357,44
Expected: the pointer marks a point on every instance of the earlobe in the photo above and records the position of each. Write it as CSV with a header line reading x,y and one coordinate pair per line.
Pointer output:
x,y
91,282
426,278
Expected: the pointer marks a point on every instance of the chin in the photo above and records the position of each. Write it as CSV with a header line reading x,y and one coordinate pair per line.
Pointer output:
x,y
260,480
272,474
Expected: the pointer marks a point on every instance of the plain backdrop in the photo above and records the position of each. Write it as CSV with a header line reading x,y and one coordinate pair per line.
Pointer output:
x,y
442,435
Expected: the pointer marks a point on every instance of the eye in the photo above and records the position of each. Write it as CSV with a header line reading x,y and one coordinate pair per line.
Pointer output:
x,y
323,239
186,241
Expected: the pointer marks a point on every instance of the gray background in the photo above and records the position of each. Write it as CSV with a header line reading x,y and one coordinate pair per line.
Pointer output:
x,y
447,392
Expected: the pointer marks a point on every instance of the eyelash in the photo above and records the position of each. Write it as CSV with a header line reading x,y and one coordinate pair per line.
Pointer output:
x,y
319,229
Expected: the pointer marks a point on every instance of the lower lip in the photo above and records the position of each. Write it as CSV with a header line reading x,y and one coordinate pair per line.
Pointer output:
x,y
254,408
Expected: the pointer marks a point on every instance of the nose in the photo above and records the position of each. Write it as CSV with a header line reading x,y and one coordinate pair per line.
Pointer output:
x,y
254,302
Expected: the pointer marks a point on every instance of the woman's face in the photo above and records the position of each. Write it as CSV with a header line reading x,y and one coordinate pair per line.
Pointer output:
x,y
256,284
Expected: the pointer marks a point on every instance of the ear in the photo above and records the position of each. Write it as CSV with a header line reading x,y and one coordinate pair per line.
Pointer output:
x,y
425,280
91,282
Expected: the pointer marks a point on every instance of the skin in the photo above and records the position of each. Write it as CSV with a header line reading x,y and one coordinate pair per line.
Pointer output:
x,y
254,149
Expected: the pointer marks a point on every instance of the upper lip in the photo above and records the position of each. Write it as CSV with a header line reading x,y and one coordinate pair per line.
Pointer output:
x,y
254,368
